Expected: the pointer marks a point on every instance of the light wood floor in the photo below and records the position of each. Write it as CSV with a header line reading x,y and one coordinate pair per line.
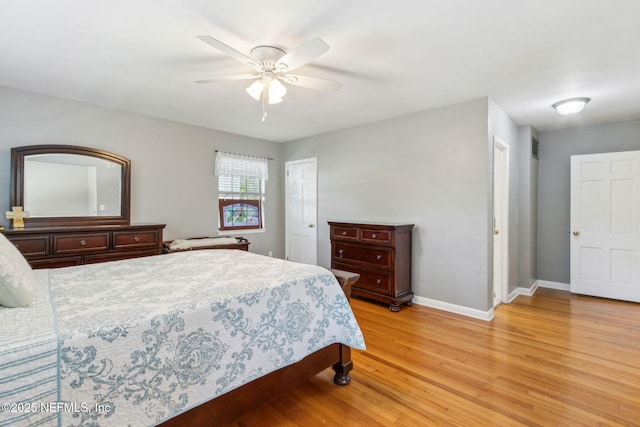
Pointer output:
x,y
553,359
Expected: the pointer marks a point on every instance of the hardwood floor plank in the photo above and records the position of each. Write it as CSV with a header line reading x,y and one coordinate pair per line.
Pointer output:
x,y
551,359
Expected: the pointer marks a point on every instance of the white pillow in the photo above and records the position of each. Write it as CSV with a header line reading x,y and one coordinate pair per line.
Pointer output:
x,y
17,281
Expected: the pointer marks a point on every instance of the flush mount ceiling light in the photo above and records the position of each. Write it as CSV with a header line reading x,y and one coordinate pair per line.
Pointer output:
x,y
272,66
571,106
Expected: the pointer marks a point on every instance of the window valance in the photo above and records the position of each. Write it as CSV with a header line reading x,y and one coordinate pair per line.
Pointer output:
x,y
231,164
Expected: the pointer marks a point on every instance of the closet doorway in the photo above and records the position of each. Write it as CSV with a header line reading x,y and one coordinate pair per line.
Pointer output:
x,y
301,211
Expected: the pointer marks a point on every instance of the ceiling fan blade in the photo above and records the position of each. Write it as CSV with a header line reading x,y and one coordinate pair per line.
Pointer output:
x,y
224,78
302,54
311,82
229,51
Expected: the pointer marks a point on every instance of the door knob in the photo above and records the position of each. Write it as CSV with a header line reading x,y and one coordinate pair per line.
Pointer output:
x,y
576,233
496,231
311,226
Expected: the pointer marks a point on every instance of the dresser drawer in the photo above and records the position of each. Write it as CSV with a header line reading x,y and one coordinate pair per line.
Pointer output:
x,y
375,281
344,233
379,257
376,237
67,261
135,239
76,243
117,256
378,281
32,245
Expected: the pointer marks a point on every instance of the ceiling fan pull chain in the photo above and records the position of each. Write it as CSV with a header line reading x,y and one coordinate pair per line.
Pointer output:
x,y
265,94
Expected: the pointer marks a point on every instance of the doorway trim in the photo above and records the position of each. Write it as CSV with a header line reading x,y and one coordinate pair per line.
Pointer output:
x,y
500,221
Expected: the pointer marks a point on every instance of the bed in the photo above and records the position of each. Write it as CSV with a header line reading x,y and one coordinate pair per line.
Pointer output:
x,y
190,338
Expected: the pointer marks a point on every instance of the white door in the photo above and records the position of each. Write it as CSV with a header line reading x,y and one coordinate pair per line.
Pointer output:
x,y
500,220
605,225
301,211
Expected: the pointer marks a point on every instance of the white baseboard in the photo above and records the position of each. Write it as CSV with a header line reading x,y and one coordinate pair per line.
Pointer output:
x,y
454,308
532,289
488,315
522,291
553,285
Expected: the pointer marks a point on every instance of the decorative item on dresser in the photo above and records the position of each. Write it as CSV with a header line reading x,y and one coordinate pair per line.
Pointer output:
x,y
17,215
380,254
196,243
51,247
79,201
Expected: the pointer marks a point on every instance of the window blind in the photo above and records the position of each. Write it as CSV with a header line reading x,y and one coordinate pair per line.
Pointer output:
x,y
239,187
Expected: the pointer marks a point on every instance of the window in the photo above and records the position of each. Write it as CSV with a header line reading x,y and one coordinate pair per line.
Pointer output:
x,y
240,202
241,191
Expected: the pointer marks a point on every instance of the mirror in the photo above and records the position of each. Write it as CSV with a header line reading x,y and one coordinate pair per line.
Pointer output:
x,y
70,185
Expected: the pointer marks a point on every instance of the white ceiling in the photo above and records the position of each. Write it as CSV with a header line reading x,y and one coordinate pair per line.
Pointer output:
x,y
392,57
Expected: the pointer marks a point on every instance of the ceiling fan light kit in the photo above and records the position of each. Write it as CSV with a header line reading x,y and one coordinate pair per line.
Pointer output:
x,y
274,89
272,64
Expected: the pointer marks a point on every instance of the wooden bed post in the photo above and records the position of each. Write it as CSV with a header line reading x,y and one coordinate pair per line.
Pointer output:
x,y
344,366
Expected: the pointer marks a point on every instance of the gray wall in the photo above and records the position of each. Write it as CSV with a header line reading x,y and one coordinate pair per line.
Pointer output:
x,y
172,178
553,192
428,169
527,208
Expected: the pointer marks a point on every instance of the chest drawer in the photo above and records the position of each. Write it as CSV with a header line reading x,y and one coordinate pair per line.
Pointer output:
x,y
377,281
344,233
115,256
375,237
65,261
134,239
32,246
75,243
379,257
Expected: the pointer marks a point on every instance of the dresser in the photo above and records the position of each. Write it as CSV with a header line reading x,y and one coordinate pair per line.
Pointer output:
x,y
63,246
380,254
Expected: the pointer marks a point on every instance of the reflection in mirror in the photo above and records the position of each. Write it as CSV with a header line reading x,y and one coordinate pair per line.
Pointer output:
x,y
71,185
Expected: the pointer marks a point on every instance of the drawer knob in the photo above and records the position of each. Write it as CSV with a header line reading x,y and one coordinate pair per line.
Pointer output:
x,y
136,239
344,233
379,257
379,281
340,253
83,242
374,236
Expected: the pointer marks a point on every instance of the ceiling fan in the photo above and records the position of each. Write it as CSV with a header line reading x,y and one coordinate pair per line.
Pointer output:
x,y
272,66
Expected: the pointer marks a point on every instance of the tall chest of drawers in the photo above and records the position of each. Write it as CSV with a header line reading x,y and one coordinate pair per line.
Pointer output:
x,y
51,247
381,254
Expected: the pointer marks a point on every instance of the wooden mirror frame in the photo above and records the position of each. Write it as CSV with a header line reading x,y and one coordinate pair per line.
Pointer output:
x,y
18,155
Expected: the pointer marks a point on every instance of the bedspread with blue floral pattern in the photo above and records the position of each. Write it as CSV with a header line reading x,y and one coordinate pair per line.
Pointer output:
x,y
145,339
